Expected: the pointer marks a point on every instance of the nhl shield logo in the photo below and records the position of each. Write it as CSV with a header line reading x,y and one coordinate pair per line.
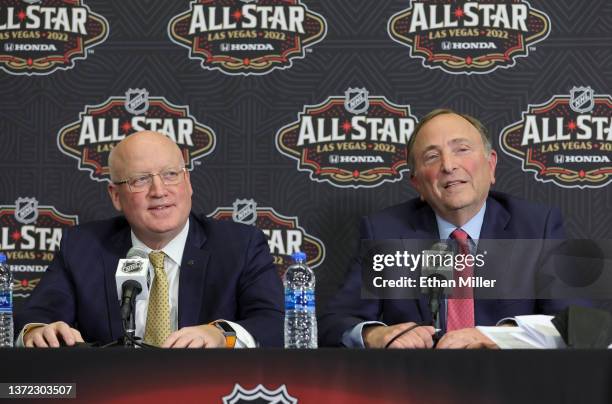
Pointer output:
x,y
259,395
245,211
356,100
136,101
26,210
581,99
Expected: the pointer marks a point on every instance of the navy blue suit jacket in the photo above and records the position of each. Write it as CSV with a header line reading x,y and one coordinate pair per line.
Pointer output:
x,y
227,272
505,218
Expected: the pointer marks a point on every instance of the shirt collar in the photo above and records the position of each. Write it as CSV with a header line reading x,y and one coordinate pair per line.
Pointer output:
x,y
472,227
174,249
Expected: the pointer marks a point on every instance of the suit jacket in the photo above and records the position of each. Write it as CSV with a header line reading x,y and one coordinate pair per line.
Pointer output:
x,y
226,272
505,218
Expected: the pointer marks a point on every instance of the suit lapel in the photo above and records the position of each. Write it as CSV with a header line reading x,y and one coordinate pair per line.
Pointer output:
x,y
495,222
494,227
423,227
192,276
422,222
119,246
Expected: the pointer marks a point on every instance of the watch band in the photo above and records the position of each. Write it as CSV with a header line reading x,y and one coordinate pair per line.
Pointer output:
x,y
228,332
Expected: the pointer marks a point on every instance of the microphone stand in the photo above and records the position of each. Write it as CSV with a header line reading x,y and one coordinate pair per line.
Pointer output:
x,y
434,301
129,339
434,308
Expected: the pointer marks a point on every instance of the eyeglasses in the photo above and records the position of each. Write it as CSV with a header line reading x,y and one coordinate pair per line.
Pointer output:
x,y
142,182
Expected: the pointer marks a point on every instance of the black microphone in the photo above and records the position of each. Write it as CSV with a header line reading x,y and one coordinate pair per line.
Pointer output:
x,y
129,290
437,275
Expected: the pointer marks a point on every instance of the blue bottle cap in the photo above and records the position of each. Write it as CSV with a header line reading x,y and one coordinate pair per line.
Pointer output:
x,y
298,256
2,258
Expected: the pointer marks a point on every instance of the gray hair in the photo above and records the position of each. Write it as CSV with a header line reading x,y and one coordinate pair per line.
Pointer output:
x,y
486,141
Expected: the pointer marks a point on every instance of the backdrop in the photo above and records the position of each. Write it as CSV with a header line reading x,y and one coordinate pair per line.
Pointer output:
x,y
293,115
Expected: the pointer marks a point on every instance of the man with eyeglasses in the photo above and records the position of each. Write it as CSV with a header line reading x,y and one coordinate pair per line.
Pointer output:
x,y
215,283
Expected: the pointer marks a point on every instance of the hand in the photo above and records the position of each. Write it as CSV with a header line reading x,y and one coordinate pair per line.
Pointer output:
x,y
47,336
199,336
378,336
469,338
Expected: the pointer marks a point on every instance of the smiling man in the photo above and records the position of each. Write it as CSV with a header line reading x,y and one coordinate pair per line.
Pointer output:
x,y
452,168
213,284
453,165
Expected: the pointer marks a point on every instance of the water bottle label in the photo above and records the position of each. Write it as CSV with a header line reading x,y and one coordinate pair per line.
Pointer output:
x,y
299,300
309,300
6,302
289,300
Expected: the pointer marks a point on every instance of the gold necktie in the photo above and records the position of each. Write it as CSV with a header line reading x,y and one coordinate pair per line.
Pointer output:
x,y
158,328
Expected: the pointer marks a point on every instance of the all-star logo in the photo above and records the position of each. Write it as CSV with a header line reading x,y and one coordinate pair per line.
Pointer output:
x,y
285,235
465,37
567,140
247,36
100,127
355,140
259,394
30,234
40,37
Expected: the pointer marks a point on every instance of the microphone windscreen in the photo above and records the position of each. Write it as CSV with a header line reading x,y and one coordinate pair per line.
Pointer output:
x,y
137,252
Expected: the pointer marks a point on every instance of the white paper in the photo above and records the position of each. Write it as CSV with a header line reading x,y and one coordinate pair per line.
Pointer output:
x,y
541,329
506,337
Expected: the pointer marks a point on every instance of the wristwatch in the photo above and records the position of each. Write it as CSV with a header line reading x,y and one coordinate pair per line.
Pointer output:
x,y
228,332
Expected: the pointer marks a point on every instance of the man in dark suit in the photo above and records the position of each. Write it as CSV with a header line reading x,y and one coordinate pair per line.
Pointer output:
x,y
452,168
210,279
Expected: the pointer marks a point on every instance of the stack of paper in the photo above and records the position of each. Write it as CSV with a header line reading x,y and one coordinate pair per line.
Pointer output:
x,y
533,332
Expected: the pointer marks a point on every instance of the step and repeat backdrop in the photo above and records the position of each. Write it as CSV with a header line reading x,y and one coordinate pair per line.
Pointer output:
x,y
294,115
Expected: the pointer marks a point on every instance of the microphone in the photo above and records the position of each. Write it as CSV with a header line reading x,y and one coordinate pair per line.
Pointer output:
x,y
132,279
130,290
438,275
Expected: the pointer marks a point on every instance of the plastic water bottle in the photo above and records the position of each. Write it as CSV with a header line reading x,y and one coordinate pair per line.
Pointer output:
x,y
6,304
300,316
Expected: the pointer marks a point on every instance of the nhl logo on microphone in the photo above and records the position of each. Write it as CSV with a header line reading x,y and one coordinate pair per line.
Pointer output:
x,y
132,266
